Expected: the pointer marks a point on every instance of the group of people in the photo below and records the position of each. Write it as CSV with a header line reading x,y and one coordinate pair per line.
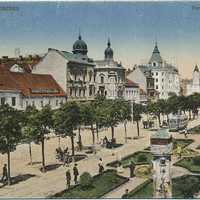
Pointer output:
x,y
63,155
147,124
69,177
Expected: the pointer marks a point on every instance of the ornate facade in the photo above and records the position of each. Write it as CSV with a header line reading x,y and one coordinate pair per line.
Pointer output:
x,y
109,75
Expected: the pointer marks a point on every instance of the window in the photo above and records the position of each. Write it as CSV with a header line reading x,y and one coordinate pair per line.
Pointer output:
x,y
13,101
152,73
79,92
41,103
154,64
162,80
26,103
56,102
70,91
156,86
102,79
90,91
33,103
84,92
49,102
61,102
156,80
162,73
156,73
3,100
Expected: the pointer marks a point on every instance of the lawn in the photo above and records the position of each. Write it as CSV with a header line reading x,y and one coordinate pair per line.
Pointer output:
x,y
182,187
139,158
182,142
190,163
195,130
101,185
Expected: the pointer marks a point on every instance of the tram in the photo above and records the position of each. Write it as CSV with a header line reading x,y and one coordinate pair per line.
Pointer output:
x,y
178,122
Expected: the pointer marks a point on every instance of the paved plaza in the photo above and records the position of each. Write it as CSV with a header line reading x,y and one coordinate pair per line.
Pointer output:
x,y
51,182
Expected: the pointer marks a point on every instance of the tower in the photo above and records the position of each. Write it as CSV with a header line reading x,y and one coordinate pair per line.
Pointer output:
x,y
196,80
161,148
108,53
156,59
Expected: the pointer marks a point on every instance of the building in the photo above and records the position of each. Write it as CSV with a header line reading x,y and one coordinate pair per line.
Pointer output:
x,y
193,85
166,76
74,72
109,75
20,89
142,75
132,91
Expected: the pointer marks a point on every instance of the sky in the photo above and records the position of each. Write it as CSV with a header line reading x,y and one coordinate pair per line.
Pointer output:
x,y
133,28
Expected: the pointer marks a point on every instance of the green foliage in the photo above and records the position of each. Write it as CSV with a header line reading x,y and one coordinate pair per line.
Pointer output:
x,y
142,158
86,180
196,160
138,109
67,118
10,128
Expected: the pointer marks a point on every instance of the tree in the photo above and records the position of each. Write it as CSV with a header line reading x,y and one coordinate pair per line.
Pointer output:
x,y
112,114
88,116
10,129
40,125
125,109
66,120
137,111
28,131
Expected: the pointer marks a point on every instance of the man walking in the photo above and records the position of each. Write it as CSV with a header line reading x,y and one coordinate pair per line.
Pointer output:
x,y
76,173
101,168
5,173
68,178
132,168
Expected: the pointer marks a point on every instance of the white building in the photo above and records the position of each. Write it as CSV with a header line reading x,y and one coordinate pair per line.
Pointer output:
x,y
194,85
166,76
132,91
109,75
74,72
20,89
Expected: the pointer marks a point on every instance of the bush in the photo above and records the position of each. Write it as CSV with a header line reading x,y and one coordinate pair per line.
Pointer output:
x,y
142,158
196,160
85,180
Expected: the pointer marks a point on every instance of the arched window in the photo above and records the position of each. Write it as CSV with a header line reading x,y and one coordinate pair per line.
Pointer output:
x,y
102,79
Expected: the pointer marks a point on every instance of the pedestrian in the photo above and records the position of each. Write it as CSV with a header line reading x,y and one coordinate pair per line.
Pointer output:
x,y
100,164
76,173
68,178
66,159
125,195
132,168
5,173
185,132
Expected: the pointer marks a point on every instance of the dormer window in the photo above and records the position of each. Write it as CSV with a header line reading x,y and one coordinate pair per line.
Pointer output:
x,y
154,64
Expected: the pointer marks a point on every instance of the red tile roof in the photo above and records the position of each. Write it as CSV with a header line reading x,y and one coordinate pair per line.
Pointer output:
x,y
130,83
29,84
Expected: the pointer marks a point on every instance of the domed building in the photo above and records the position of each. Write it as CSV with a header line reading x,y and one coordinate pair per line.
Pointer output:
x,y
109,75
74,71
80,47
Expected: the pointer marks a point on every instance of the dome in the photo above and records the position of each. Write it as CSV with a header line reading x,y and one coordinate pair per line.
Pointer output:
x,y
80,47
108,51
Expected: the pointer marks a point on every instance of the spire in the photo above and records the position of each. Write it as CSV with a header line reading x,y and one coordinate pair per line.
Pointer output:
x,y
156,48
196,69
79,34
108,42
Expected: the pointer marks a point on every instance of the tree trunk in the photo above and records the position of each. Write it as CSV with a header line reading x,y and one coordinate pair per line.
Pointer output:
x,y
93,136
125,132
43,156
138,129
189,114
30,153
72,142
112,131
59,141
159,121
97,130
9,178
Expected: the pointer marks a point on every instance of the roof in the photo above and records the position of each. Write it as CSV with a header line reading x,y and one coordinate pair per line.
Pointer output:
x,y
30,84
156,55
161,134
196,69
130,83
78,58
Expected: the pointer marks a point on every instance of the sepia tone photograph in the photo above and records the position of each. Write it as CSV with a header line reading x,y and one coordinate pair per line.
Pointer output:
x,y
100,100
